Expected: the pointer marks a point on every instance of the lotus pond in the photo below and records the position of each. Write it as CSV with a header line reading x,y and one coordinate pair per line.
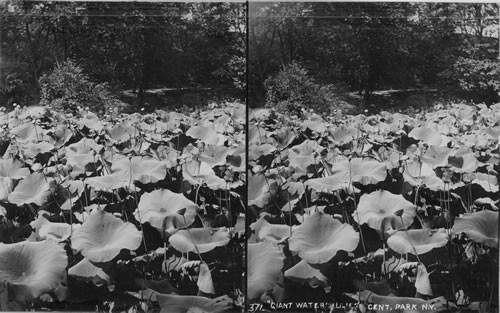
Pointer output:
x,y
385,209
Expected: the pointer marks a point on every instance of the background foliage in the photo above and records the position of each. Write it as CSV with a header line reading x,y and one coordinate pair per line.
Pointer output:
x,y
128,45
378,46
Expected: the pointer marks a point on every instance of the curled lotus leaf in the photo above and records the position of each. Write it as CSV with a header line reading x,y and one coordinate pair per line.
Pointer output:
x,y
82,153
342,135
28,132
125,172
304,154
161,208
181,304
121,133
32,268
261,190
423,283
265,261
347,171
199,239
383,210
320,237
436,156
262,230
480,227
488,182
56,231
92,122
424,240
304,273
102,236
426,134
206,134
205,282
215,155
86,271
35,188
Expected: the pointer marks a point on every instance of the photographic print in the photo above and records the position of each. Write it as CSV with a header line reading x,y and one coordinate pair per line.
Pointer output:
x,y
122,156
373,157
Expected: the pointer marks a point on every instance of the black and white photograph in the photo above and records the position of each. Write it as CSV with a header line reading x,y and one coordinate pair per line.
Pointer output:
x,y
373,157
122,156
249,156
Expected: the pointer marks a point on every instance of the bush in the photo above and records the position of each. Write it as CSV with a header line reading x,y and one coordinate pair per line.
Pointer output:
x,y
67,87
477,78
292,90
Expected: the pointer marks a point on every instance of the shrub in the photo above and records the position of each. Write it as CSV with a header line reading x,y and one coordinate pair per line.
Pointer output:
x,y
293,89
67,87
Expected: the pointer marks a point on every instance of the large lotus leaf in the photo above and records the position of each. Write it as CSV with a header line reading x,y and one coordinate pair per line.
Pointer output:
x,y
6,186
345,172
463,163
488,182
200,240
342,135
102,236
417,173
265,261
161,208
256,151
361,170
320,237
82,153
69,192
143,170
260,190
86,271
262,230
35,188
422,282
205,282
382,210
428,135
56,231
424,240
121,133
206,134
33,268
284,137
183,304
92,122
480,227
13,169
304,273
316,124
125,171
28,133
487,201
215,155
32,150
304,154
436,156
479,141
61,134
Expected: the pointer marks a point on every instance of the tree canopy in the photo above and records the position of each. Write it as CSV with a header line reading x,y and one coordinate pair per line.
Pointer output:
x,y
130,45
374,46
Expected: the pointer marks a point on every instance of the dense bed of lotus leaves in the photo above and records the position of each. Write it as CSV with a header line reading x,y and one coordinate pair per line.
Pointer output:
x,y
388,208
137,212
